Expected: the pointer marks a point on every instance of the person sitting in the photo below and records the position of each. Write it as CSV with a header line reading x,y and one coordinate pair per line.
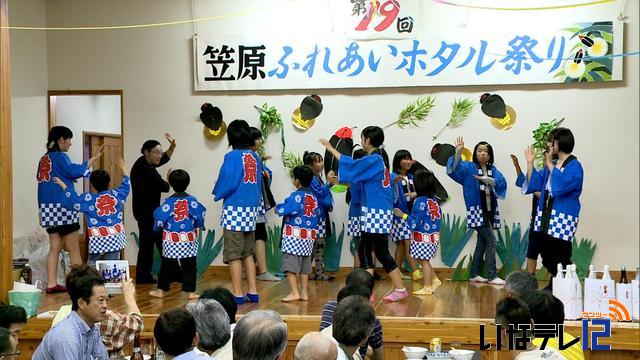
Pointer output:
x,y
213,329
226,299
353,321
519,283
514,312
548,309
175,334
360,278
8,345
260,335
315,346
118,330
78,335
13,318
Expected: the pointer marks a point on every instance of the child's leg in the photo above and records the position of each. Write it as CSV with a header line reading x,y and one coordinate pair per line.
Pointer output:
x,y
112,255
71,243
486,232
189,276
249,264
399,254
235,270
407,255
318,255
478,253
427,271
93,257
55,245
167,267
304,270
293,284
356,257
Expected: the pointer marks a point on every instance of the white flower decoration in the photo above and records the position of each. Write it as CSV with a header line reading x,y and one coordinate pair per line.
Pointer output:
x,y
159,223
182,226
194,204
281,211
76,206
423,206
297,198
298,221
91,207
87,197
93,221
120,216
165,207
67,194
308,223
108,221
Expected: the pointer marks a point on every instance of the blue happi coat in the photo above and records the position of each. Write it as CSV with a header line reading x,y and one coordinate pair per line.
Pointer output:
x,y
104,212
239,185
179,218
301,215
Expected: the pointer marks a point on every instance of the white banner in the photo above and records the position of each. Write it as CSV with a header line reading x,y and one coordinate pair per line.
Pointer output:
x,y
582,52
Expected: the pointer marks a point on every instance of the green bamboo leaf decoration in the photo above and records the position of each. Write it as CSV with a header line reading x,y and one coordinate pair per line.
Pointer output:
x,y
415,112
540,139
290,160
270,120
460,111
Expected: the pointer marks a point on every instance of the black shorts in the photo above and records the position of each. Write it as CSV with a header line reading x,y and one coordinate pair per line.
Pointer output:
x,y
261,231
63,230
535,245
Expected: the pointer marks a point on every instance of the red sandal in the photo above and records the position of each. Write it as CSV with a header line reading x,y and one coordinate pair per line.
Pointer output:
x,y
56,289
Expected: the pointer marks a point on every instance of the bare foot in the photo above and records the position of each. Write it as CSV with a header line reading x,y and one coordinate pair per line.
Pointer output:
x,y
157,293
291,297
193,296
304,297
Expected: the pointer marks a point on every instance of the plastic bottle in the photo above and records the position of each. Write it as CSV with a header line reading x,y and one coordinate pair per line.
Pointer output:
x,y
592,272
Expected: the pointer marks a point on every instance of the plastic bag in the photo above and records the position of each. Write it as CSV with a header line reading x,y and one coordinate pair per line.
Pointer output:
x,y
38,264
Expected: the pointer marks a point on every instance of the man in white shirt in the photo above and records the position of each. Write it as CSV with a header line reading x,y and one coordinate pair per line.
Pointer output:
x,y
213,329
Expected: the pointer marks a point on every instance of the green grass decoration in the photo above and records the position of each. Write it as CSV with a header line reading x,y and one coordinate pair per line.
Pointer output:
x,y
415,112
454,235
461,274
460,111
208,250
290,160
273,253
333,249
511,248
155,265
540,139
582,255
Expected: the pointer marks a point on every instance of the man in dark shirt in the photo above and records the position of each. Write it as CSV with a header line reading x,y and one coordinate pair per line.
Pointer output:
x,y
146,186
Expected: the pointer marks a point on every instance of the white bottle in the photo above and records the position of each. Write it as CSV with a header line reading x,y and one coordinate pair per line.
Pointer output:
x,y
592,272
606,275
559,274
577,292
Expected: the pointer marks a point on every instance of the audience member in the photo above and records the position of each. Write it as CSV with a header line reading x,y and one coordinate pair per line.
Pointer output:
x,y
8,345
316,346
213,329
353,322
118,330
175,334
13,318
223,296
260,335
519,283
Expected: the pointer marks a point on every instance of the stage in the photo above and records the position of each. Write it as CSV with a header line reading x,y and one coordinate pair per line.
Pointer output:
x,y
454,313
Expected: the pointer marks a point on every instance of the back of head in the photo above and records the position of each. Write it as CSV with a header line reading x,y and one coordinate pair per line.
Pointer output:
x,y
360,277
375,134
55,134
303,174
10,314
315,346
353,321
100,180
311,157
424,182
175,331
179,180
544,307
519,283
149,145
212,324
354,289
80,282
238,135
512,311
255,133
359,154
259,335
223,296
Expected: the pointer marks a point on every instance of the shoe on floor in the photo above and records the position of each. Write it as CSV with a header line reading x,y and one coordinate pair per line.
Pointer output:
x,y
325,277
396,295
267,276
435,283
427,290
417,275
56,289
253,298
496,281
479,279
239,300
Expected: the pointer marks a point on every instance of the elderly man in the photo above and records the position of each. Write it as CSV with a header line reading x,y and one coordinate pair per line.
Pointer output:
x,y
213,329
519,283
260,335
353,322
316,346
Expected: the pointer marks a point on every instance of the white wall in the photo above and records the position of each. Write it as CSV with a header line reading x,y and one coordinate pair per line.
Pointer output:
x,y
28,109
154,68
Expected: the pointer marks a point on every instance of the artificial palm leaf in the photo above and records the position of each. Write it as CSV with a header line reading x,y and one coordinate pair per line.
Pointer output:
x,y
540,139
460,111
270,119
415,112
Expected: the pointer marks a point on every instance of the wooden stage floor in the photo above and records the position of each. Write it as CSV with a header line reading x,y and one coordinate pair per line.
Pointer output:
x,y
451,300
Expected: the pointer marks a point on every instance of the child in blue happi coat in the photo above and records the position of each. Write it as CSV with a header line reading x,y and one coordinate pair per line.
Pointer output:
x,y
104,211
301,212
354,199
239,186
424,222
179,218
482,186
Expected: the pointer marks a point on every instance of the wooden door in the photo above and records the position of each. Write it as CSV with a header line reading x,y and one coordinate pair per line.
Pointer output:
x,y
108,162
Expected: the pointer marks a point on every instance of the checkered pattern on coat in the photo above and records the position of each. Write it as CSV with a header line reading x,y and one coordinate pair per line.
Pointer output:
x,y
561,226
179,250
353,226
322,228
296,246
104,244
400,230
239,218
423,250
475,218
376,221
56,215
